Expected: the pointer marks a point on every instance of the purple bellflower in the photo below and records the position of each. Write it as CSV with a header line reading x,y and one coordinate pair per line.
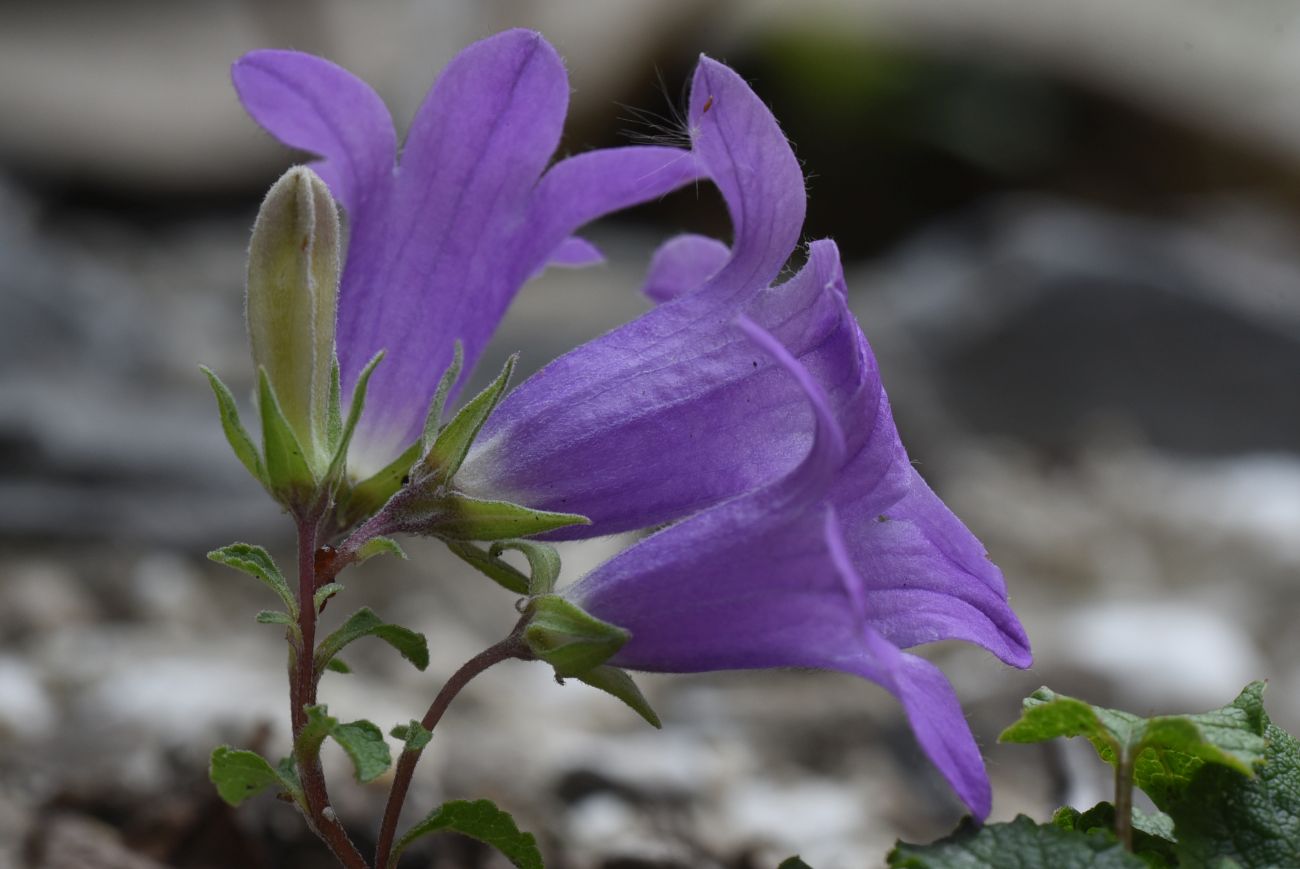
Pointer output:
x,y
440,241
826,567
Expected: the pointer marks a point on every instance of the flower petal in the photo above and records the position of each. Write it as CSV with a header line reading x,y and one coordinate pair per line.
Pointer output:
x,y
682,264
311,104
742,149
580,189
575,252
928,576
441,264
674,411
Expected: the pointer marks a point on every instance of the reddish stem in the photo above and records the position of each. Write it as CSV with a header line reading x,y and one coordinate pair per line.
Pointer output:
x,y
512,646
302,693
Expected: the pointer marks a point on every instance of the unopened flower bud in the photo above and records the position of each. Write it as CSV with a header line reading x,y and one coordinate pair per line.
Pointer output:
x,y
293,277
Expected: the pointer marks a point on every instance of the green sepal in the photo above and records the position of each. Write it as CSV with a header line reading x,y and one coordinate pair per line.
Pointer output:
x,y
458,517
481,820
362,741
414,735
364,623
379,546
449,448
364,499
324,593
336,665
793,863
236,435
618,683
433,422
334,410
288,470
240,774
503,574
339,460
543,563
275,617
257,562
568,638
1165,750
1020,843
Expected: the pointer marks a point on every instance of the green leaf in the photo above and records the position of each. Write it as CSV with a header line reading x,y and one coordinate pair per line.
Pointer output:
x,y
364,499
324,593
619,684
236,435
337,666
379,546
481,820
1153,835
543,563
340,455
444,458
433,422
1020,843
568,638
361,740
364,623
793,863
1166,750
364,743
414,735
288,471
240,774
276,617
256,562
1223,818
454,516
503,574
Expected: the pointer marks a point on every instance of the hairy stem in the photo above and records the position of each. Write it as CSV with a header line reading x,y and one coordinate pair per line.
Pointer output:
x,y
302,693
512,646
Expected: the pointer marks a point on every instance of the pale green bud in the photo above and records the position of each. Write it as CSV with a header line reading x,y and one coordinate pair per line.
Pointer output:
x,y
293,278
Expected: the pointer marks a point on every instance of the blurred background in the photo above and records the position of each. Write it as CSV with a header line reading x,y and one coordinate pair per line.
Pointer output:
x,y
1070,233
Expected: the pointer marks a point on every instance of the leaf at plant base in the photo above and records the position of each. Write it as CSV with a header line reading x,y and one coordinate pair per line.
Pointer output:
x,y
288,468
543,562
364,623
568,638
619,684
379,546
1020,843
362,740
433,421
448,451
364,743
1153,835
257,563
482,820
793,863
1167,749
339,456
503,574
1224,818
240,774
236,435
414,735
